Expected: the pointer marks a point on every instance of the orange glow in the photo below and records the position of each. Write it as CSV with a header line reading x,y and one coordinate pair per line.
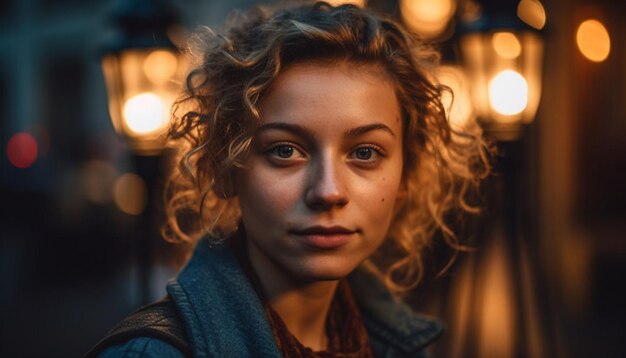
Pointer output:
x,y
22,150
497,329
427,17
160,66
461,296
130,194
146,113
532,13
506,45
458,105
359,3
593,40
508,93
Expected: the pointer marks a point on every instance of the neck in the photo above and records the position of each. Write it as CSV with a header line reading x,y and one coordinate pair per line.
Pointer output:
x,y
302,305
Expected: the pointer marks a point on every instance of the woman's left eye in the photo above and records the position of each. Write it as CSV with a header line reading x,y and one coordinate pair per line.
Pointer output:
x,y
366,154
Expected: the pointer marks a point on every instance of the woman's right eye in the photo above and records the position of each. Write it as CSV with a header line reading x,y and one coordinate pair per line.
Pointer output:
x,y
285,152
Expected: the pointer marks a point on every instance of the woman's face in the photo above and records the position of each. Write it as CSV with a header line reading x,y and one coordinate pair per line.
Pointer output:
x,y
318,190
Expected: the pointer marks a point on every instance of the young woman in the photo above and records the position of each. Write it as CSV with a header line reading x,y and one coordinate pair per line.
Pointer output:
x,y
317,164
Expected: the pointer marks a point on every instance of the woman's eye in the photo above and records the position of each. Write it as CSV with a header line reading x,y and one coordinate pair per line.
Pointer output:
x,y
363,153
366,154
285,151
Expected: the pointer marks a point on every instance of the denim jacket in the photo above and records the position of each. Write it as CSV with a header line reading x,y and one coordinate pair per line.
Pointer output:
x,y
224,317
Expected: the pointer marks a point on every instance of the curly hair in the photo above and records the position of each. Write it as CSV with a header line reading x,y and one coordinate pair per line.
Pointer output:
x,y
220,110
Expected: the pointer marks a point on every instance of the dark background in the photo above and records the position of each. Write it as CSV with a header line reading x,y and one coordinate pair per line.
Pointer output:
x,y
68,262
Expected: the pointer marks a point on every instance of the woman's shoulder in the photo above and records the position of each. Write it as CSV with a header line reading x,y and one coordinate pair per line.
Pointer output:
x,y
142,347
155,330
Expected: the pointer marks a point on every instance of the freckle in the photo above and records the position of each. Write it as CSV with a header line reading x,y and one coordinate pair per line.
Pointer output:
x,y
383,199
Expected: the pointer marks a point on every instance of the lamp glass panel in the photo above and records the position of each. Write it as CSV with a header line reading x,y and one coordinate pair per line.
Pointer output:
x,y
504,68
457,101
142,85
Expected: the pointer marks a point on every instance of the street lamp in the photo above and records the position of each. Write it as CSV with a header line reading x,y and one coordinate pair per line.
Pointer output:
x,y
502,52
142,68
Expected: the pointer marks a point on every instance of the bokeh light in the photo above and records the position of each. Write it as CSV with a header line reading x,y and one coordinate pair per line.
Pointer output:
x,y
532,13
130,194
160,66
508,93
429,18
145,113
97,180
359,3
506,45
593,40
22,150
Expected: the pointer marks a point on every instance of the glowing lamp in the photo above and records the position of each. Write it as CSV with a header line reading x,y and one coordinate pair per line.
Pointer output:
x,y
143,71
502,53
429,18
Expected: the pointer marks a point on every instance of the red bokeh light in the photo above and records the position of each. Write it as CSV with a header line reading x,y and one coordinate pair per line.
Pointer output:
x,y
22,150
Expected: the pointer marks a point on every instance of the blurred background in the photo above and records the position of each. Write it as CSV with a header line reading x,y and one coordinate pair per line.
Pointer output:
x,y
85,89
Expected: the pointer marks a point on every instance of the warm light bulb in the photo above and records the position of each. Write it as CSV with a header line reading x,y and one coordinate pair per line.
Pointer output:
x,y
593,40
508,93
506,45
145,113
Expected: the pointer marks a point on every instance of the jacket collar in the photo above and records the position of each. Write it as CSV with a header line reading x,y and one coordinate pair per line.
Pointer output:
x,y
225,317
389,320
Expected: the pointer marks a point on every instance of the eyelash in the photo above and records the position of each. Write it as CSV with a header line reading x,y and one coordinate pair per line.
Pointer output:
x,y
376,153
272,150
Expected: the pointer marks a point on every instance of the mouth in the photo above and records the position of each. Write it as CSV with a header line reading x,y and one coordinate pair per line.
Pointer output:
x,y
324,237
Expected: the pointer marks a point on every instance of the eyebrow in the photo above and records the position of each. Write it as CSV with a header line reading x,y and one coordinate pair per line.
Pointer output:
x,y
287,127
306,133
355,132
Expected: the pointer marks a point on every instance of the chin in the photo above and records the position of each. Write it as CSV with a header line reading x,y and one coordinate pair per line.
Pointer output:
x,y
323,270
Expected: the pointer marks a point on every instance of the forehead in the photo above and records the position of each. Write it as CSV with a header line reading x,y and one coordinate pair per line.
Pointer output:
x,y
332,94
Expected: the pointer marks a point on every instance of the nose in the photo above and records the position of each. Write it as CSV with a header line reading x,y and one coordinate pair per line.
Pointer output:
x,y
326,188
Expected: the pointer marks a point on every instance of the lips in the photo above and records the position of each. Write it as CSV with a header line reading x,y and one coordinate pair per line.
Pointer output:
x,y
324,237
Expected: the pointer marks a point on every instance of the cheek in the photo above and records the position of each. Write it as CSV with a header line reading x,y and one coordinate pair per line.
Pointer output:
x,y
378,203
265,196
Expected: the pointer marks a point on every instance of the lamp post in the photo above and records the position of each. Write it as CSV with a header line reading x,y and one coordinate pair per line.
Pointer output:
x,y
142,69
502,49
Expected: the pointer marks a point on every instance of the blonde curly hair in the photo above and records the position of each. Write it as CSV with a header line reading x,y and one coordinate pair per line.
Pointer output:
x,y
214,122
